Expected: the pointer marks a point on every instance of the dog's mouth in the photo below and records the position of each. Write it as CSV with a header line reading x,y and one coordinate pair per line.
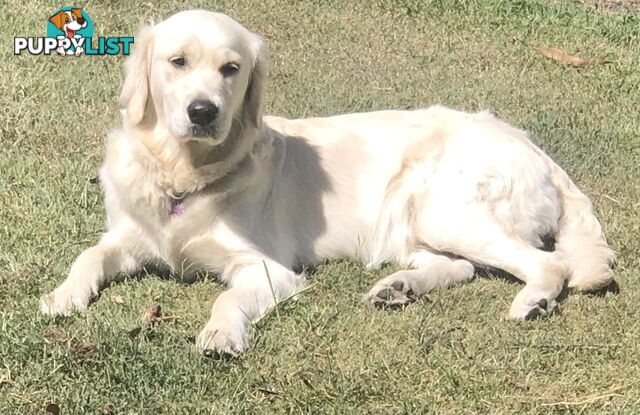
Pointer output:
x,y
70,32
200,132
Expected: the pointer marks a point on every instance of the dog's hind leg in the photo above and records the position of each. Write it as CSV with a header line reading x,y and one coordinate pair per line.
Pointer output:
x,y
429,271
482,240
544,273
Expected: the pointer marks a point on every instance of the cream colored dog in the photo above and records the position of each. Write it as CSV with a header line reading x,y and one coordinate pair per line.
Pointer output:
x,y
197,179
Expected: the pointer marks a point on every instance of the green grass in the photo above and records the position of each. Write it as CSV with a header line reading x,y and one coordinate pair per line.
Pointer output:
x,y
327,352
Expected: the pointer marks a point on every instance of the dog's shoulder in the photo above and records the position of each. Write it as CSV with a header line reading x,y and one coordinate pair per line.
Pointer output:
x,y
129,173
125,156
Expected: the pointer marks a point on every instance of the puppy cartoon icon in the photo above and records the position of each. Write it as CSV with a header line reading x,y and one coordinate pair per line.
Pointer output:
x,y
69,21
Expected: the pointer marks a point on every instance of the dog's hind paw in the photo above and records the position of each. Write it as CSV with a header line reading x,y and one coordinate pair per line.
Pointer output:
x,y
532,309
391,293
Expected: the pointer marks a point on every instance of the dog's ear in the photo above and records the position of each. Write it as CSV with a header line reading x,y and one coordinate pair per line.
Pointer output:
x,y
135,91
252,107
77,13
58,19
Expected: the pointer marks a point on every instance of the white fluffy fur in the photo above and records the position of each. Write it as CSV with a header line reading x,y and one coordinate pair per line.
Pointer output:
x,y
436,190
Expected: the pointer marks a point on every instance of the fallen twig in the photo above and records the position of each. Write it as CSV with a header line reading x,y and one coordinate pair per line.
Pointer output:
x,y
589,399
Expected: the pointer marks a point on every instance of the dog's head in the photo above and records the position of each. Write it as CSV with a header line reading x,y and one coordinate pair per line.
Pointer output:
x,y
69,21
196,73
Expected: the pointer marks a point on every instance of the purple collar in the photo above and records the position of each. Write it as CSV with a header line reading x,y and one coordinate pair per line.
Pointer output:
x,y
177,207
177,203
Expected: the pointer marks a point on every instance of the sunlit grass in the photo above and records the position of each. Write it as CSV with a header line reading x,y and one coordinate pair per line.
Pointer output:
x,y
326,352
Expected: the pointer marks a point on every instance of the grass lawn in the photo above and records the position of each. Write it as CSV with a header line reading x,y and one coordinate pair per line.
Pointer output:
x,y
452,352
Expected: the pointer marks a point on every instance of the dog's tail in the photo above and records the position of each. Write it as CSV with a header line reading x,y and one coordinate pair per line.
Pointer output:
x,y
580,238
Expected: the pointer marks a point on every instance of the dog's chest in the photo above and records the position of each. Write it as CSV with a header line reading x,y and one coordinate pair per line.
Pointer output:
x,y
186,231
135,196
191,233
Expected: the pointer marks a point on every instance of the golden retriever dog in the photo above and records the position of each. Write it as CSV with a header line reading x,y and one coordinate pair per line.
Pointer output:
x,y
197,179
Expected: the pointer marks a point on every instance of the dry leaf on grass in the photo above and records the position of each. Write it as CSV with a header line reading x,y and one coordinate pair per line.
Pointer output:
x,y
575,61
54,335
108,410
117,299
268,391
153,315
77,349
83,351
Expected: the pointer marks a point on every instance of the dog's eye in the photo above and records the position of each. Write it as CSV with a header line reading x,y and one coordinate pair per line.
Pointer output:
x,y
178,62
229,69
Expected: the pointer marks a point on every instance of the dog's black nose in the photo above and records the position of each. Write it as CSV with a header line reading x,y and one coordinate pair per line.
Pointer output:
x,y
81,20
202,112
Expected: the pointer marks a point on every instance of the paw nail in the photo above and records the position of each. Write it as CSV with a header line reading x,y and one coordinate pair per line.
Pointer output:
x,y
398,285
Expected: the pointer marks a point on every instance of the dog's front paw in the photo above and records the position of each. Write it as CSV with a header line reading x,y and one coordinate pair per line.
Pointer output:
x,y
222,338
62,302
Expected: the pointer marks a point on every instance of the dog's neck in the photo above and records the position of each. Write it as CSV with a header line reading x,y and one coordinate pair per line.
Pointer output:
x,y
189,166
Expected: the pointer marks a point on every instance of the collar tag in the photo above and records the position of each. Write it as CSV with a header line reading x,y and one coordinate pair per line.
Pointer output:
x,y
177,195
177,207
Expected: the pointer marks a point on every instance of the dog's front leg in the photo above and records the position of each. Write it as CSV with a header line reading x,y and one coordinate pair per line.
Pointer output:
x,y
118,251
253,289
